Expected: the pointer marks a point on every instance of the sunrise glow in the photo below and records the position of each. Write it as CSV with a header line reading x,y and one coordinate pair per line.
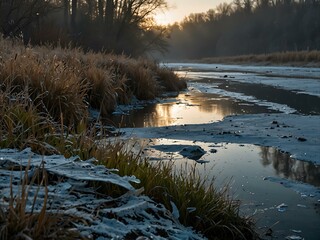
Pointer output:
x,y
165,18
179,9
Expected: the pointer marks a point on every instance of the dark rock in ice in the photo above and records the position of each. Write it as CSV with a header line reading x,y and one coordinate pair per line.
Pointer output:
x,y
301,139
192,152
213,150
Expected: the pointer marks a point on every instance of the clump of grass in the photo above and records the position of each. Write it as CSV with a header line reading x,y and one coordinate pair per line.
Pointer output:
x,y
65,82
19,223
141,80
145,79
200,205
170,80
53,86
101,93
21,125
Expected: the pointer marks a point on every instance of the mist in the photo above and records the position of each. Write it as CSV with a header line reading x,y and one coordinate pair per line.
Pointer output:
x,y
247,27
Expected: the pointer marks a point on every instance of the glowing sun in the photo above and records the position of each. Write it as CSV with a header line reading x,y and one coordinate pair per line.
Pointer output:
x,y
165,18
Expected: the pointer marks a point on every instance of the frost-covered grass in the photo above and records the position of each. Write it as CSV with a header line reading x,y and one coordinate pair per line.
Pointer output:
x,y
19,223
45,95
74,209
196,201
289,57
64,83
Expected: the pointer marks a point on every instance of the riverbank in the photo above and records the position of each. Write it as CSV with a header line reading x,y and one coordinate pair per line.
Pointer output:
x,y
290,58
46,97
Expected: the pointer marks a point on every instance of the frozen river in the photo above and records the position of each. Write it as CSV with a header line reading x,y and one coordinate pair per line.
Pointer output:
x,y
259,128
216,91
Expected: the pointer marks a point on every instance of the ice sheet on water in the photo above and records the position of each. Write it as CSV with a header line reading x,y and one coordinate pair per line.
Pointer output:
x,y
294,237
305,190
281,77
282,207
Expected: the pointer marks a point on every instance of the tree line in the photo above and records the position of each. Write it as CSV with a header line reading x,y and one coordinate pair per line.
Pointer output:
x,y
248,27
127,26
119,26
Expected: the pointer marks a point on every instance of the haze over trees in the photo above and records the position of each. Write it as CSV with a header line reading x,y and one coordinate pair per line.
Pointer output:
x,y
248,27
127,26
120,26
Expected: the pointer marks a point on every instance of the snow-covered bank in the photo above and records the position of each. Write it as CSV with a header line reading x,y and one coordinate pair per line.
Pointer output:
x,y
299,135
105,217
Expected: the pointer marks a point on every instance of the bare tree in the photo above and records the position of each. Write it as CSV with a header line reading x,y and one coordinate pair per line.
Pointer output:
x,y
74,10
17,15
66,12
97,24
100,9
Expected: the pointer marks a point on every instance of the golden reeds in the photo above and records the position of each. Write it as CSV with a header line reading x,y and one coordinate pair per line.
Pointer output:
x,y
299,58
66,82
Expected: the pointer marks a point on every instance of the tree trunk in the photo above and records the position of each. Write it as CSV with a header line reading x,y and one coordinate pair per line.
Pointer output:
x,y
74,14
109,14
90,8
66,9
100,9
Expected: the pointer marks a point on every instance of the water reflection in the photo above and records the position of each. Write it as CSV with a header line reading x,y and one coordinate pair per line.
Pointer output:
x,y
249,159
290,168
244,168
192,108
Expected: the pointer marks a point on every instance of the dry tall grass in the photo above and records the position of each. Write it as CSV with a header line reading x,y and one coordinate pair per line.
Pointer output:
x,y
299,58
64,83
21,125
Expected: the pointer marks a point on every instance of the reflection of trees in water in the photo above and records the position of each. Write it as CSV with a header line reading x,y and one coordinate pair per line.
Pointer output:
x,y
265,156
211,103
161,116
223,106
290,168
166,114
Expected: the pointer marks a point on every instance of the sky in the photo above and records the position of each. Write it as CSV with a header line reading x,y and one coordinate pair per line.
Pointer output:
x,y
178,9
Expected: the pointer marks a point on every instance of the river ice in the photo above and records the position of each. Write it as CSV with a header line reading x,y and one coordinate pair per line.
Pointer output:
x,y
298,79
289,132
